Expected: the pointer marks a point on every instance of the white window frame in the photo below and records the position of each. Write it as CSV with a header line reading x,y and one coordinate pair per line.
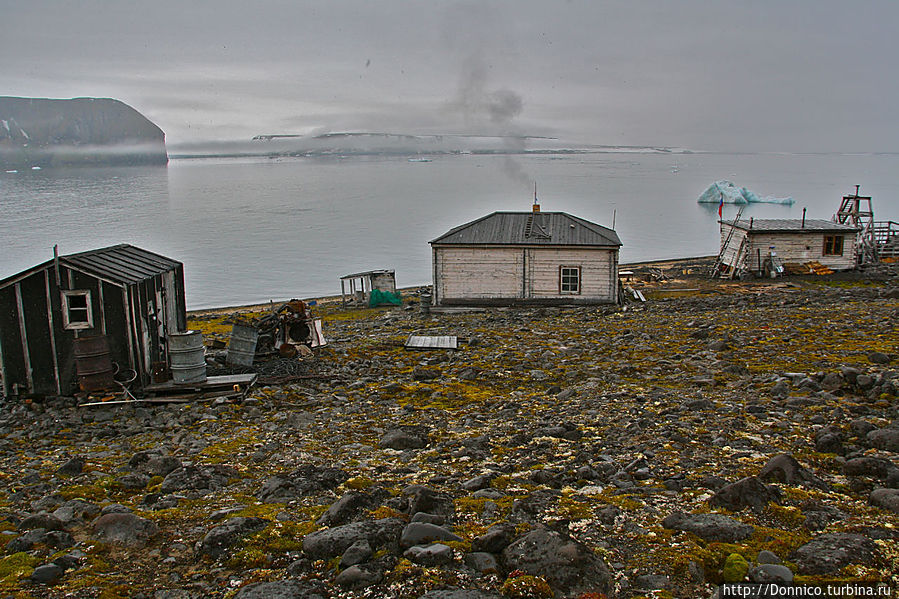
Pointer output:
x,y
67,322
562,282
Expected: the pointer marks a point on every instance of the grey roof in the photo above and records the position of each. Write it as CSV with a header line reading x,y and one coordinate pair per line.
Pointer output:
x,y
530,228
791,225
121,263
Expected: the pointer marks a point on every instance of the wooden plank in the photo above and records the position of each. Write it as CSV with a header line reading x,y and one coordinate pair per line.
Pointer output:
x,y
431,342
211,382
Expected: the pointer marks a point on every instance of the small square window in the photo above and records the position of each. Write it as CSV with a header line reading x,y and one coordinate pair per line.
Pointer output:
x,y
833,245
76,310
570,279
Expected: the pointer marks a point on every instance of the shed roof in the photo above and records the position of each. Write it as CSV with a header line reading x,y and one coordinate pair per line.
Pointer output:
x,y
791,225
121,263
367,273
530,228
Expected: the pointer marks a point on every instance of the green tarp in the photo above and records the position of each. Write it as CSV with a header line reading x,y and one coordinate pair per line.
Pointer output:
x,y
379,297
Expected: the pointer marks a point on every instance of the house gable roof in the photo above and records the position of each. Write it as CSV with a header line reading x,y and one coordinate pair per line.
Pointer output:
x,y
121,263
791,225
530,228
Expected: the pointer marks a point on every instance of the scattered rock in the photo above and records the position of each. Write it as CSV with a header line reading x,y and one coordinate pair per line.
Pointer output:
x,y
567,565
711,527
124,529
828,553
748,492
218,540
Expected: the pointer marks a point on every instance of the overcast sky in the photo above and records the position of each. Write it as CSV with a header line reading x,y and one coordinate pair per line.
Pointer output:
x,y
761,75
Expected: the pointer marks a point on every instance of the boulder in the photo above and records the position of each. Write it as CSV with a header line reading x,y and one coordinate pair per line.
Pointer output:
x,y
405,437
569,567
785,469
331,542
829,553
748,492
280,589
887,499
218,540
711,527
124,529
303,481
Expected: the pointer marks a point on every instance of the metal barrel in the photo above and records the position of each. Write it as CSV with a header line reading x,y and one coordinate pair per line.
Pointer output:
x,y
93,364
188,357
242,346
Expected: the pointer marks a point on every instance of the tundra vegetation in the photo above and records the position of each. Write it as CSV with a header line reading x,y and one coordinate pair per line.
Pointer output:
x,y
738,432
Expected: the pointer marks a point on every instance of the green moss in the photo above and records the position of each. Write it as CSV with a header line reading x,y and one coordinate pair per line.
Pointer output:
x,y
524,586
16,567
357,483
735,568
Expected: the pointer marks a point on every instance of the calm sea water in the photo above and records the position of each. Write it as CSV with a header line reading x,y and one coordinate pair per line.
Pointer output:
x,y
255,229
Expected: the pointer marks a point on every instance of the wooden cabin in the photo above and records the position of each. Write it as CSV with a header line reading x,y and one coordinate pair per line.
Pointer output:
x,y
763,246
132,297
535,257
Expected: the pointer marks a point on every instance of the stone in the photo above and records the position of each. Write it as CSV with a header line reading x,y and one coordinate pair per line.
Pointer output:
x,y
331,542
711,527
495,539
887,499
879,468
47,574
435,554
303,481
344,508
133,481
877,357
770,573
280,589
748,492
124,529
73,467
218,540
829,553
419,533
768,557
459,594
357,553
428,501
194,478
405,437
569,567
886,439
41,520
482,562
76,511
784,468
830,443
358,577
652,582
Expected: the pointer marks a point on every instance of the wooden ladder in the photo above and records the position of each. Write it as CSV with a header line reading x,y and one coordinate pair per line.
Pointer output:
x,y
719,261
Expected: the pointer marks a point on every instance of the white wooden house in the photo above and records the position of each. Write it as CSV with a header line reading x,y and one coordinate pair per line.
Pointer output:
x,y
759,245
533,257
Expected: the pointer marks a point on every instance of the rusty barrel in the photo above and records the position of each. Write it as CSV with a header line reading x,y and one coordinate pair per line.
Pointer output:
x,y
188,357
93,364
242,346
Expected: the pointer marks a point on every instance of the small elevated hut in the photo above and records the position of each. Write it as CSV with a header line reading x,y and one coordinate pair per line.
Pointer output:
x,y
534,257
768,247
117,304
357,287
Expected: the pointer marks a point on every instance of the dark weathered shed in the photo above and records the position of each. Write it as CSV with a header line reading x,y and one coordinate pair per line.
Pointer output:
x,y
133,297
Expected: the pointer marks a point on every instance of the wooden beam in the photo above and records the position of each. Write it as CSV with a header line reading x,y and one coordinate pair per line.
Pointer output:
x,y
29,376
52,333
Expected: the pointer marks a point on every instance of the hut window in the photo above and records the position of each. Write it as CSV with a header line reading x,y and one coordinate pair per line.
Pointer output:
x,y
570,279
833,245
76,310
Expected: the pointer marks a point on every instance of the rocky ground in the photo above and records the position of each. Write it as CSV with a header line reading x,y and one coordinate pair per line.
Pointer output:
x,y
717,432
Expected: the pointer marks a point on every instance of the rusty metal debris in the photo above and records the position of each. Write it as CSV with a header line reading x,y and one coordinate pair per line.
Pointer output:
x,y
289,330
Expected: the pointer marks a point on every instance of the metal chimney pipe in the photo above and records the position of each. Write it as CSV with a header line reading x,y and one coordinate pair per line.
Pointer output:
x,y
803,217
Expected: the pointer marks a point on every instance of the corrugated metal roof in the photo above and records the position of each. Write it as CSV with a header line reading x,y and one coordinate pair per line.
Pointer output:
x,y
530,228
794,225
123,262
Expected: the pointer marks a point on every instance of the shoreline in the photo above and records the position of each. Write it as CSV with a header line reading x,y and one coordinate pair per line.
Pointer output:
x,y
692,262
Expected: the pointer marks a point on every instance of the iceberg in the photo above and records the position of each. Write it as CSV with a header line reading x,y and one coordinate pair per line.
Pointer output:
x,y
737,195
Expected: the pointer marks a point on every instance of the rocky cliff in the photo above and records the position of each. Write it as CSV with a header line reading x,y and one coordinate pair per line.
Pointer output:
x,y
81,131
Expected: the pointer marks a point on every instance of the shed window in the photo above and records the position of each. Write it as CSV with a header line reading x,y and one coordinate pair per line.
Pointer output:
x,y
76,310
570,279
833,245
